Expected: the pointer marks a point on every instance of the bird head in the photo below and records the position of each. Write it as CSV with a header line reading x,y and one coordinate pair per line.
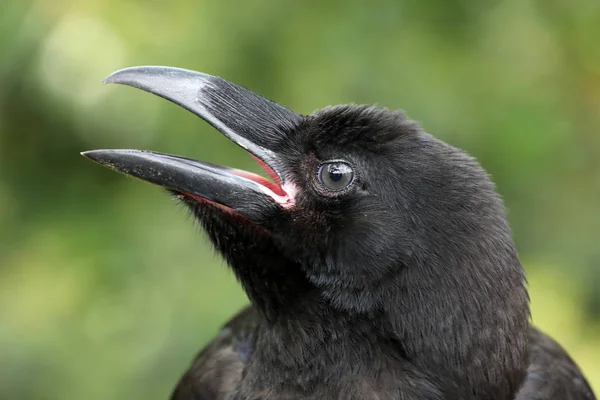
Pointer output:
x,y
357,195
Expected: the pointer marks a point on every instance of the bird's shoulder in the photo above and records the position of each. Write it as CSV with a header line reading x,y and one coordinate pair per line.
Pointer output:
x,y
552,374
217,369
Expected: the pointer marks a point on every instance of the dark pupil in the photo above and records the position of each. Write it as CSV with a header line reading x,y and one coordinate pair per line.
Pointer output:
x,y
335,174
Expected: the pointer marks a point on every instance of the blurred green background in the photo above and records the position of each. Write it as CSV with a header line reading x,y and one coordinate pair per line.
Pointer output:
x,y
107,289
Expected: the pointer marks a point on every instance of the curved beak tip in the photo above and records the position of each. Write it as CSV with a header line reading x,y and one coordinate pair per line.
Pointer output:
x,y
88,154
98,156
122,74
110,79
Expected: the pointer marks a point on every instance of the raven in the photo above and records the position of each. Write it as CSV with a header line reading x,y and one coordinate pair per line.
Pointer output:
x,y
377,259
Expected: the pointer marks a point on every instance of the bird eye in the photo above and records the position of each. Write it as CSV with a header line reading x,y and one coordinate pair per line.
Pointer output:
x,y
336,175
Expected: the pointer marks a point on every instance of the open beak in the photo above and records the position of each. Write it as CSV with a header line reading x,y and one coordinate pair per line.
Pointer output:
x,y
255,123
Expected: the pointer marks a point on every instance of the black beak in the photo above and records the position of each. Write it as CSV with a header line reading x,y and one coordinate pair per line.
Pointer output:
x,y
257,124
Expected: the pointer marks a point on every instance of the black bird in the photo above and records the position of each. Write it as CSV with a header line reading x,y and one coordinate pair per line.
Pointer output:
x,y
378,261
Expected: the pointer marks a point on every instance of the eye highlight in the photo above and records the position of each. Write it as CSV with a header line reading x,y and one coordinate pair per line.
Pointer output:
x,y
335,175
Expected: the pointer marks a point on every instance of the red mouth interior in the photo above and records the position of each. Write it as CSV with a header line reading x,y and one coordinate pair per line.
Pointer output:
x,y
274,185
277,192
268,170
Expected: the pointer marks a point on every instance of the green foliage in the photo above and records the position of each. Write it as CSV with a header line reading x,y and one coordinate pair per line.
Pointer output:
x,y
106,287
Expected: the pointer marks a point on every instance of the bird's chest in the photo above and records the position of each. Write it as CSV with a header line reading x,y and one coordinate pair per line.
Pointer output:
x,y
329,359
345,374
347,388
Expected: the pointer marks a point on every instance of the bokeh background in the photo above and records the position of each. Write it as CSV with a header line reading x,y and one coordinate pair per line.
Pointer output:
x,y
107,289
